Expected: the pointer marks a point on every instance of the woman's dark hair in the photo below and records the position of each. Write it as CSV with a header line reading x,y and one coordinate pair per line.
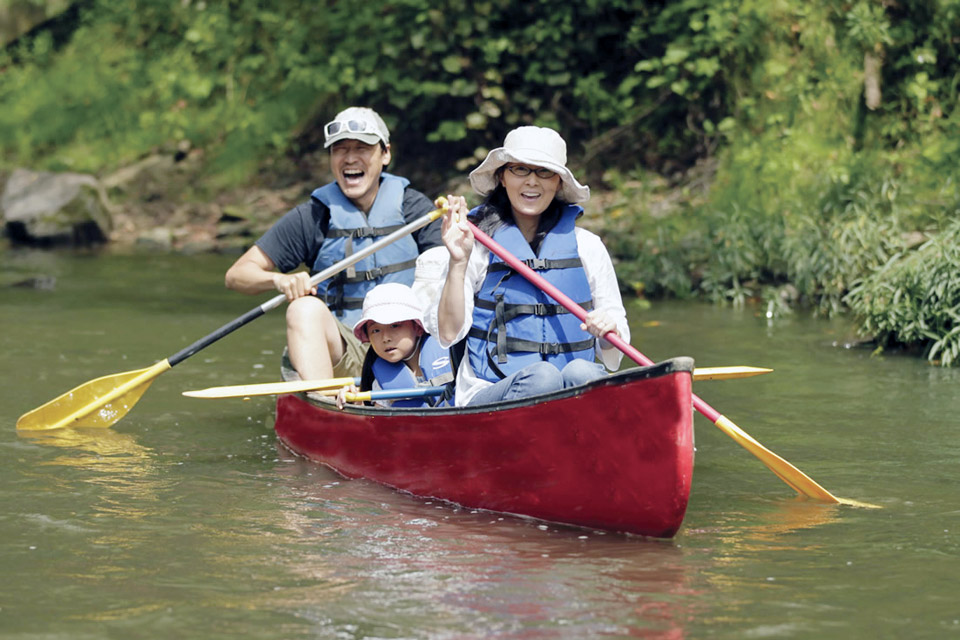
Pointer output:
x,y
495,211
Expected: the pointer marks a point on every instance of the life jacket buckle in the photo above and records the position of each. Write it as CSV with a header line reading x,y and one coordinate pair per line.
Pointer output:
x,y
550,349
538,264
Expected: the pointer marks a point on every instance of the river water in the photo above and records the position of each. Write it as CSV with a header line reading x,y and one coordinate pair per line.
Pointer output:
x,y
186,519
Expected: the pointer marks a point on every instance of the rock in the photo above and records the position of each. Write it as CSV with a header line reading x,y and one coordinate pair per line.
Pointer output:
x,y
158,238
41,282
49,209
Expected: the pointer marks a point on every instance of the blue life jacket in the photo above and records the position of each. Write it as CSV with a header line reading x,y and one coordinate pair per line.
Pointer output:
x,y
515,323
351,230
435,366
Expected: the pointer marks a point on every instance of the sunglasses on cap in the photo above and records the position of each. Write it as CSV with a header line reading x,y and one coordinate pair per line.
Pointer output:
x,y
522,172
353,126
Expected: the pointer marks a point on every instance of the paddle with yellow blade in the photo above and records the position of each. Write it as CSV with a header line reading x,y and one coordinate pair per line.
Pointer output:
x,y
103,401
298,386
795,478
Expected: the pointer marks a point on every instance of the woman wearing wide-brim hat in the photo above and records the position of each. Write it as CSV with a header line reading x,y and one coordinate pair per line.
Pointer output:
x,y
520,342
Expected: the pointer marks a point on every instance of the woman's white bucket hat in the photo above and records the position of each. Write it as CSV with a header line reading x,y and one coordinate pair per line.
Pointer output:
x,y
388,303
536,146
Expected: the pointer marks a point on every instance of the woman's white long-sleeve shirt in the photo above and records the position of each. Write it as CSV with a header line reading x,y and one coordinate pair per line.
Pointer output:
x,y
432,271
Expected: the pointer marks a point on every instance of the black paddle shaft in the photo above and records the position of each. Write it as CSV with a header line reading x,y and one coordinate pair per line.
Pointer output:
x,y
206,341
315,279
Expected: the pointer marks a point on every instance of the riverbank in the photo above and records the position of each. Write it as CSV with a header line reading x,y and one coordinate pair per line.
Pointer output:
x,y
171,201
848,248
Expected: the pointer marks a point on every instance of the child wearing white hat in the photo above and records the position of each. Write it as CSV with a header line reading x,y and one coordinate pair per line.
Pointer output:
x,y
402,355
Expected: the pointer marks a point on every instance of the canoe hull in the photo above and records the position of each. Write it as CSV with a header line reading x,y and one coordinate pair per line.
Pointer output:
x,y
615,455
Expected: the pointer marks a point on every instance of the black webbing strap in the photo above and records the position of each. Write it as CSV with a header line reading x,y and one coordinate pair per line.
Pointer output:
x,y
511,311
540,264
532,346
376,272
363,232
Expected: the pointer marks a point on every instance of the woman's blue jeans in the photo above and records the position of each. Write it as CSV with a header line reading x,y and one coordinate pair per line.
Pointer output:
x,y
539,378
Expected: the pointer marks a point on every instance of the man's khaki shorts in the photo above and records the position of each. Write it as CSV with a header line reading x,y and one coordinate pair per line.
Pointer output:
x,y
350,365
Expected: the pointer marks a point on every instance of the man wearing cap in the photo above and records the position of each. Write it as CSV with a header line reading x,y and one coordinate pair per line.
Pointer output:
x,y
362,204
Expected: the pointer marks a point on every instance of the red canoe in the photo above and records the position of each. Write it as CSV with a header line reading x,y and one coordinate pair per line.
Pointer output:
x,y
613,455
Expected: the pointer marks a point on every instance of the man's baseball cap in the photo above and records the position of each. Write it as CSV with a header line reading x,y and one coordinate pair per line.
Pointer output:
x,y
356,123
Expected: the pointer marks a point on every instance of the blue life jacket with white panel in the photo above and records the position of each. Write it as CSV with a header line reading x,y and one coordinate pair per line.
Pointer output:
x,y
515,323
351,230
434,364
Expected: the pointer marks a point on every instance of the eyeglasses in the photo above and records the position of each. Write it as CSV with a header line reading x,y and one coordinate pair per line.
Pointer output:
x,y
522,172
353,126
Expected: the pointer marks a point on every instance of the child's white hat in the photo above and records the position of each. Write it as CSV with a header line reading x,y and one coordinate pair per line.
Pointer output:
x,y
388,303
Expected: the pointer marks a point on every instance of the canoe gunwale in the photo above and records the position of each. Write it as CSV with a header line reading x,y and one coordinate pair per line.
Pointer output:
x,y
663,368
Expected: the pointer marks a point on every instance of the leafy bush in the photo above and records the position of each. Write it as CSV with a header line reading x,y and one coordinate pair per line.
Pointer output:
x,y
830,128
914,299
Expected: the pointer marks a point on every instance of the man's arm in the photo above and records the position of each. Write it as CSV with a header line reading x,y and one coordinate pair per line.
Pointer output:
x,y
283,247
253,272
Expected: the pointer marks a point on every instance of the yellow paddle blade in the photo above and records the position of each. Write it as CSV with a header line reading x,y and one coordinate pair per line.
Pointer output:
x,y
97,403
270,388
727,373
798,480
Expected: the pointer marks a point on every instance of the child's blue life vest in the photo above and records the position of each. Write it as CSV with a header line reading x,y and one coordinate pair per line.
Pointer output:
x,y
436,369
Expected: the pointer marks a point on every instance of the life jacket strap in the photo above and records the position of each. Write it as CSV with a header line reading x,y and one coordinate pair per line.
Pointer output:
x,y
363,232
531,346
540,264
511,311
376,272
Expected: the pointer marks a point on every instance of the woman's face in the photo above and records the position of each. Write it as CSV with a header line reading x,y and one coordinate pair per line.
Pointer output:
x,y
394,342
529,195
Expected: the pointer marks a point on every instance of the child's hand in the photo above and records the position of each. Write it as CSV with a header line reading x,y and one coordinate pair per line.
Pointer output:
x,y
342,395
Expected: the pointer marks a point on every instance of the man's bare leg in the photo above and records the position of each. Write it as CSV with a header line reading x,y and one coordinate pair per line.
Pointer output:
x,y
313,339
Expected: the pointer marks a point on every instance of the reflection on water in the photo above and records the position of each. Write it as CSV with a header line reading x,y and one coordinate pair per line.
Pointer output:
x,y
102,450
121,477
522,578
775,521
185,519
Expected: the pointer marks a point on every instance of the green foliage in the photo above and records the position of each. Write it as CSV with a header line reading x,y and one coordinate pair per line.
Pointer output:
x,y
451,77
852,230
807,187
914,299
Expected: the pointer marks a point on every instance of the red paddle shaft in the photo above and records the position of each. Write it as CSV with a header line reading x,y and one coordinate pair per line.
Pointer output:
x,y
796,479
709,412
